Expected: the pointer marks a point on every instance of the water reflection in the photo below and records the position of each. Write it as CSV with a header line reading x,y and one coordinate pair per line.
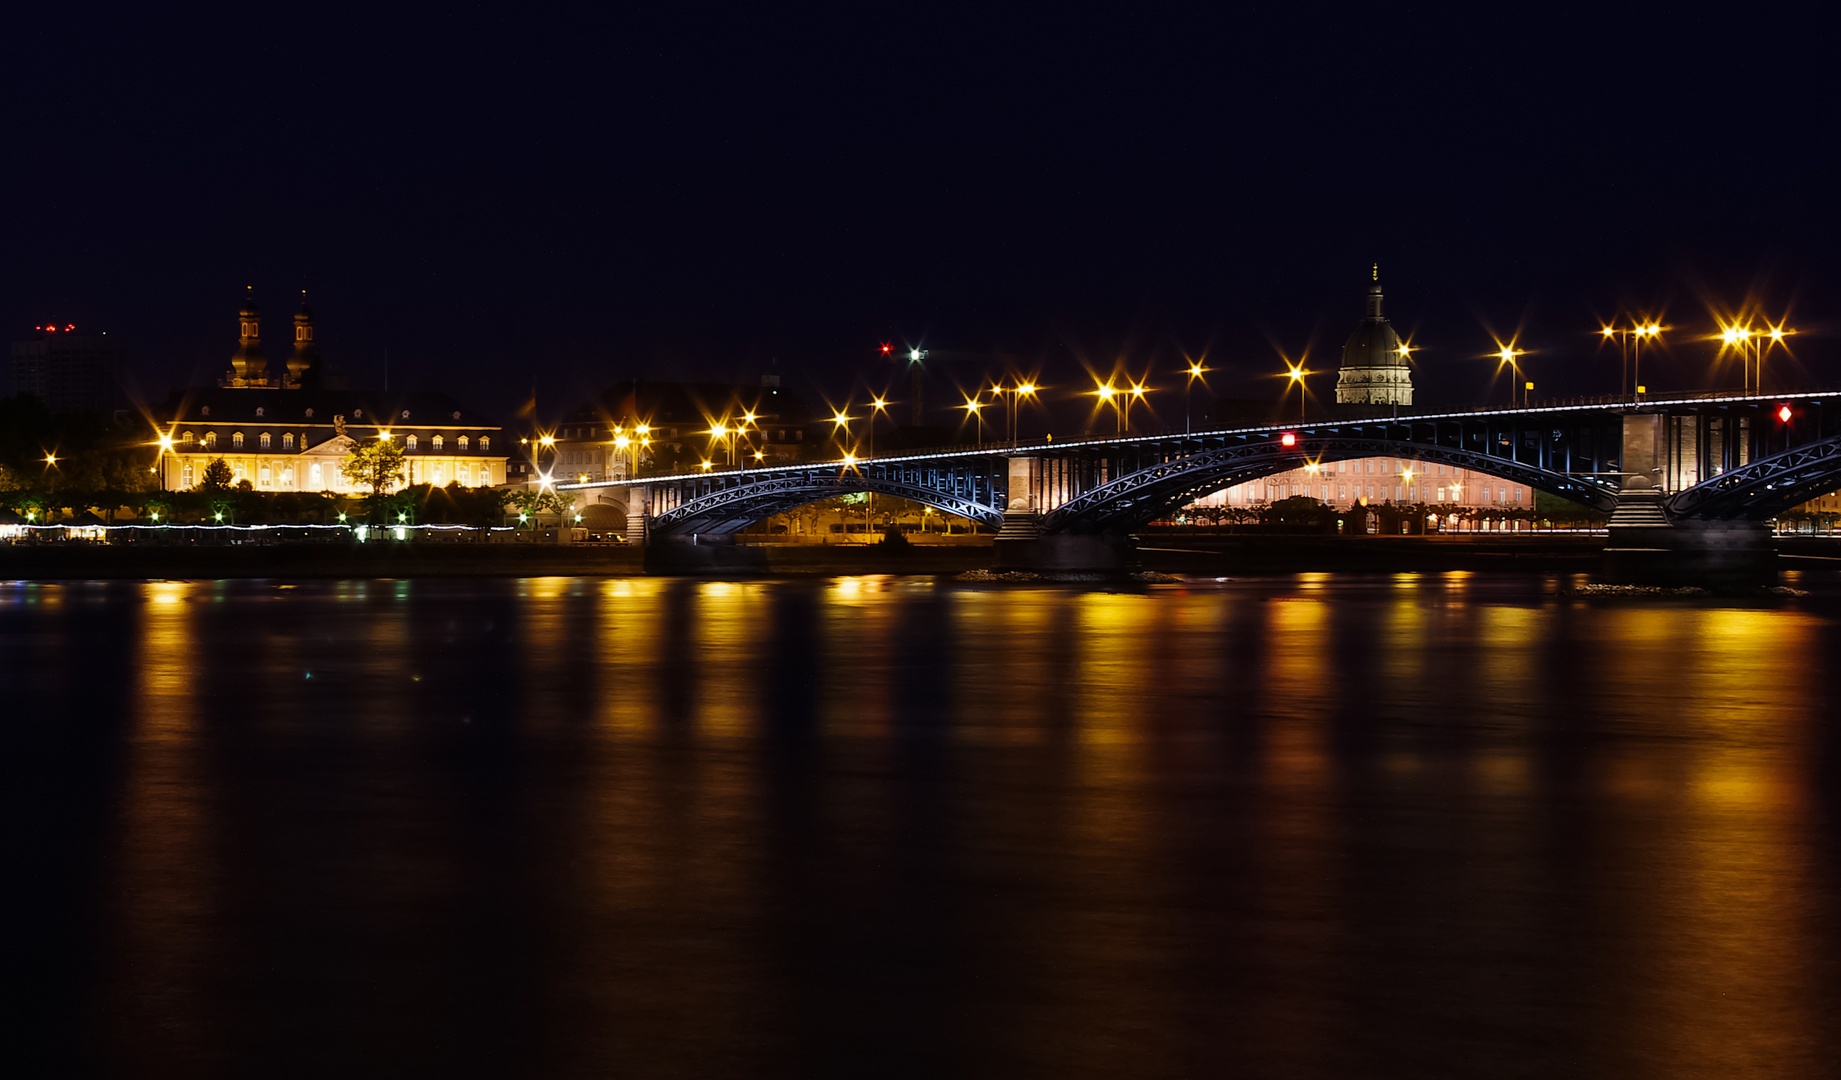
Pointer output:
x,y
1306,826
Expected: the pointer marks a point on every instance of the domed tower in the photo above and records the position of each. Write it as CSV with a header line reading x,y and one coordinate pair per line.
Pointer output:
x,y
248,367
304,363
1374,366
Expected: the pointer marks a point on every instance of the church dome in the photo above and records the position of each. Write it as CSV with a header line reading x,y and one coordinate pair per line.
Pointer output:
x,y
1374,343
1373,370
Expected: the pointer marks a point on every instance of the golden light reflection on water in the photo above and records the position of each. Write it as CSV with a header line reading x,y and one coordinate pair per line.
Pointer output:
x,y
1272,807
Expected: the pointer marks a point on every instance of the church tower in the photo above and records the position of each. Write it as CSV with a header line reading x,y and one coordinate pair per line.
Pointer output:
x,y
303,364
248,367
1374,363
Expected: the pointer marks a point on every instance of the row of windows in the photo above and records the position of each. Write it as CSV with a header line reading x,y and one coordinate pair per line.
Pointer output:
x,y
1245,493
317,475
190,439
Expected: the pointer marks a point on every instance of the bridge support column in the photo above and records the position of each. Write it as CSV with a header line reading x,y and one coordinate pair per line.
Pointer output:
x,y
1646,548
636,522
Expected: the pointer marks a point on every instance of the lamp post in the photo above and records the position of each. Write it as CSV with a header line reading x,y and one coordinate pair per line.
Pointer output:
x,y
840,421
1752,346
1295,375
1630,349
1106,394
166,447
1196,371
1136,393
1013,409
975,409
876,405
1510,355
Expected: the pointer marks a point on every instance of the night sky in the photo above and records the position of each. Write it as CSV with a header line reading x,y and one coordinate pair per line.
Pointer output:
x,y
502,196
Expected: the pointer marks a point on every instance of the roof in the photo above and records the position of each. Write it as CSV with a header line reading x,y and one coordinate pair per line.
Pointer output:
x,y
236,405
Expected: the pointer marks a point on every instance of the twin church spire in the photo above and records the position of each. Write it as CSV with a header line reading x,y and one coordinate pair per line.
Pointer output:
x,y
249,365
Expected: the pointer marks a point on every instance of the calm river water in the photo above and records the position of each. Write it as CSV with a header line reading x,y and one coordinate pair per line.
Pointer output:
x,y
1314,826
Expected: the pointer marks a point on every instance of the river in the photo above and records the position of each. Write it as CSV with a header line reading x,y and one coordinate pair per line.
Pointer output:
x,y
1313,826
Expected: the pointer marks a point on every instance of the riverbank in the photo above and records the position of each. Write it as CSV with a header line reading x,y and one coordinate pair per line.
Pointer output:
x,y
1196,556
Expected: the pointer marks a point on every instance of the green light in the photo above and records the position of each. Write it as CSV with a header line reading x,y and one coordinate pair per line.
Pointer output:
x,y
341,518
578,517
400,516
220,515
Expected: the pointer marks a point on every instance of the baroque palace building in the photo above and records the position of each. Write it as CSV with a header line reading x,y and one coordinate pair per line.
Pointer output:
x,y
291,430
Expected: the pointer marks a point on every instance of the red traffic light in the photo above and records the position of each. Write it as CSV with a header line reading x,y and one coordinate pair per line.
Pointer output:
x,y
1290,438
1784,414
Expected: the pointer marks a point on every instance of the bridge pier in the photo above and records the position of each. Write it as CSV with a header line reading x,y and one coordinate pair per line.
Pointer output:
x,y
1646,548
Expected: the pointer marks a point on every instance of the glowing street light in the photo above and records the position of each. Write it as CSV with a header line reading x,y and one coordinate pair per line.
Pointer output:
x,y
1510,355
1630,347
876,405
1752,345
1295,374
1108,395
1196,371
975,409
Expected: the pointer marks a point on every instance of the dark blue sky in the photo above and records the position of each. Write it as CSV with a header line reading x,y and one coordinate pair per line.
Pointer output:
x,y
568,196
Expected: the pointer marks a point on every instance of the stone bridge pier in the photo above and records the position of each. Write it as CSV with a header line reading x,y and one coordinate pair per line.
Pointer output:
x,y
1646,547
1021,544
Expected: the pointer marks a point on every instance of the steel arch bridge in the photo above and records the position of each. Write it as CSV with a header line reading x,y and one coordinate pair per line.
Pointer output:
x,y
1721,456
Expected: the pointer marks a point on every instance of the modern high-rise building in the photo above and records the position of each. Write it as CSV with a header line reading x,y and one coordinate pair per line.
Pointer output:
x,y
1374,366
69,370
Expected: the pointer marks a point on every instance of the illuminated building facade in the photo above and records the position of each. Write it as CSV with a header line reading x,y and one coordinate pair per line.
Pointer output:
x,y
289,431
1379,481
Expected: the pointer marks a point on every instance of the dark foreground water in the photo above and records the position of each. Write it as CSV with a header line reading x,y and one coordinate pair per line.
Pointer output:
x,y
1314,827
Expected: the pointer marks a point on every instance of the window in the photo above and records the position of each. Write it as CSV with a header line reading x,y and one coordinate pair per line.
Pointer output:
x,y
236,440
464,474
435,443
434,476
313,476
258,411
287,441
485,444
409,443
462,443
263,439
1517,494
188,439
287,476
185,476
485,473
265,476
210,439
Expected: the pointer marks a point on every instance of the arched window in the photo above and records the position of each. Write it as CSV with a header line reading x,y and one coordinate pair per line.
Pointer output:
x,y
287,476
435,443
462,443
314,476
287,440
264,440
265,476
188,439
210,440
464,474
485,444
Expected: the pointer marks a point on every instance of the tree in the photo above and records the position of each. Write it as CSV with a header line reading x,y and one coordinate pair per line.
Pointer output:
x,y
377,465
218,476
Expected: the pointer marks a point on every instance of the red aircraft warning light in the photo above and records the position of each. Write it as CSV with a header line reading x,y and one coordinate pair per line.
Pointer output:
x,y
1290,438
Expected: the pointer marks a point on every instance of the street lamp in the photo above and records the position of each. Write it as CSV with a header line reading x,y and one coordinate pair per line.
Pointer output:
x,y
166,447
1106,394
1510,355
975,409
1136,394
840,421
1013,412
876,405
1295,375
1752,345
1630,347
1196,371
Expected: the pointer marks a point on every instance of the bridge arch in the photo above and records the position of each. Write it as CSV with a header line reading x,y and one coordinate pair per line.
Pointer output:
x,y
728,509
1143,496
1764,488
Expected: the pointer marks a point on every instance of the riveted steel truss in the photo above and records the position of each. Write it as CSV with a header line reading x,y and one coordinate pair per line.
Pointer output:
x,y
1764,488
968,487
1149,493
